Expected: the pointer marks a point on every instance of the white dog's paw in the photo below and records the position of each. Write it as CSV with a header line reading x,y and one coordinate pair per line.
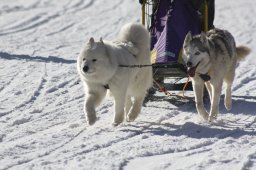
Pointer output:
x,y
116,123
91,119
131,117
117,120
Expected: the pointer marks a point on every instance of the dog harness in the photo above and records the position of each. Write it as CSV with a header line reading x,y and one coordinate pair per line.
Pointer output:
x,y
205,77
106,86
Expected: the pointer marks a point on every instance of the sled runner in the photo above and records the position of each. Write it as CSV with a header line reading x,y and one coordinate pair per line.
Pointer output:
x,y
168,22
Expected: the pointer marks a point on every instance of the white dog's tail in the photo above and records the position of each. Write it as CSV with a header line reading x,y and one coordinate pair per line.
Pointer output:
x,y
139,36
242,52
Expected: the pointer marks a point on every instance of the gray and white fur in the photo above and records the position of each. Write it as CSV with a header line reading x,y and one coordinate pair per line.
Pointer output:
x,y
213,54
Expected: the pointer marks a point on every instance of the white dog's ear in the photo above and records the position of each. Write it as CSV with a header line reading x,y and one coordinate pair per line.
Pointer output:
x,y
92,43
203,37
188,38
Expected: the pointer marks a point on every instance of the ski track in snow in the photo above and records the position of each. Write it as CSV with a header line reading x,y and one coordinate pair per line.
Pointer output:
x,y
41,111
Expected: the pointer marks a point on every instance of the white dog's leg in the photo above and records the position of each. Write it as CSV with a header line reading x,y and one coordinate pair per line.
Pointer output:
x,y
89,109
119,107
198,90
135,109
128,104
215,100
92,100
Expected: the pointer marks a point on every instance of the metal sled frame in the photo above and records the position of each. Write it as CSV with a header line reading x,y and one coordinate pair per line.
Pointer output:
x,y
168,70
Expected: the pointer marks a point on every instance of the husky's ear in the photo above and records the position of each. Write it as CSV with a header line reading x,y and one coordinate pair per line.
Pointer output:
x,y
188,38
203,37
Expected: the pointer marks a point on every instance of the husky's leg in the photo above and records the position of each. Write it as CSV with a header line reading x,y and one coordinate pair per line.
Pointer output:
x,y
119,98
209,89
136,108
228,97
216,89
198,87
229,78
91,101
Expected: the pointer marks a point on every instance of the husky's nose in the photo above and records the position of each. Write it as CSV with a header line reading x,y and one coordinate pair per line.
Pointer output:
x,y
189,64
85,68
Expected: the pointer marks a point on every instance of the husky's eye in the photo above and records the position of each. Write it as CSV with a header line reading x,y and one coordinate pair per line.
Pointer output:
x,y
197,53
94,60
83,59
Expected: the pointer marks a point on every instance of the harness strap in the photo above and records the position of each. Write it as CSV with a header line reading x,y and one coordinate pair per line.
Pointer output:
x,y
163,89
205,77
184,87
134,66
206,16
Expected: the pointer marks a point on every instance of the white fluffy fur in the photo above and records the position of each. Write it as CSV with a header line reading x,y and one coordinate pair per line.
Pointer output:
x,y
99,63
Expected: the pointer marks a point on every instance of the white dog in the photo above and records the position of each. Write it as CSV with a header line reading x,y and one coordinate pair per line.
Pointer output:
x,y
211,60
113,65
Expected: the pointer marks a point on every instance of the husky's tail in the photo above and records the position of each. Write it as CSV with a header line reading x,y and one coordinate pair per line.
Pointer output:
x,y
139,37
242,52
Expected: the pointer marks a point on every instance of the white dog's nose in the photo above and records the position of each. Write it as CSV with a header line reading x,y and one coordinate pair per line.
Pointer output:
x,y
85,68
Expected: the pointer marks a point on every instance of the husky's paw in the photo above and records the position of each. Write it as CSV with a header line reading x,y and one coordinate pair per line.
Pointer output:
x,y
204,115
212,117
228,105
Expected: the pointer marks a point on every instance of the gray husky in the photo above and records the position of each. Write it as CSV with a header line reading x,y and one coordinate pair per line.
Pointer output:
x,y
211,59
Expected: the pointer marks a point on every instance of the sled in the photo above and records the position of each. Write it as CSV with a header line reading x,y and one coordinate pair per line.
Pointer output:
x,y
168,22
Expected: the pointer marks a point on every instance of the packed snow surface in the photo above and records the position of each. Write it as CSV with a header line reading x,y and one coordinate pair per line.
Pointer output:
x,y
41,97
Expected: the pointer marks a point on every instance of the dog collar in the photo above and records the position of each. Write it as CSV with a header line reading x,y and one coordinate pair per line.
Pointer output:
x,y
205,77
106,86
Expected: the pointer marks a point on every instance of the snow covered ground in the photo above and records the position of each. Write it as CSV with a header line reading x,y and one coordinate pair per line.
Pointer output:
x,y
42,125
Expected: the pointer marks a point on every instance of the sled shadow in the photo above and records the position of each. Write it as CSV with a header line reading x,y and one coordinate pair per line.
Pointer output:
x,y
52,59
174,100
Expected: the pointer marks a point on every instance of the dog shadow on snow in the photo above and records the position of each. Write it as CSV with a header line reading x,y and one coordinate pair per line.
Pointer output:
x,y
241,105
189,129
224,128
